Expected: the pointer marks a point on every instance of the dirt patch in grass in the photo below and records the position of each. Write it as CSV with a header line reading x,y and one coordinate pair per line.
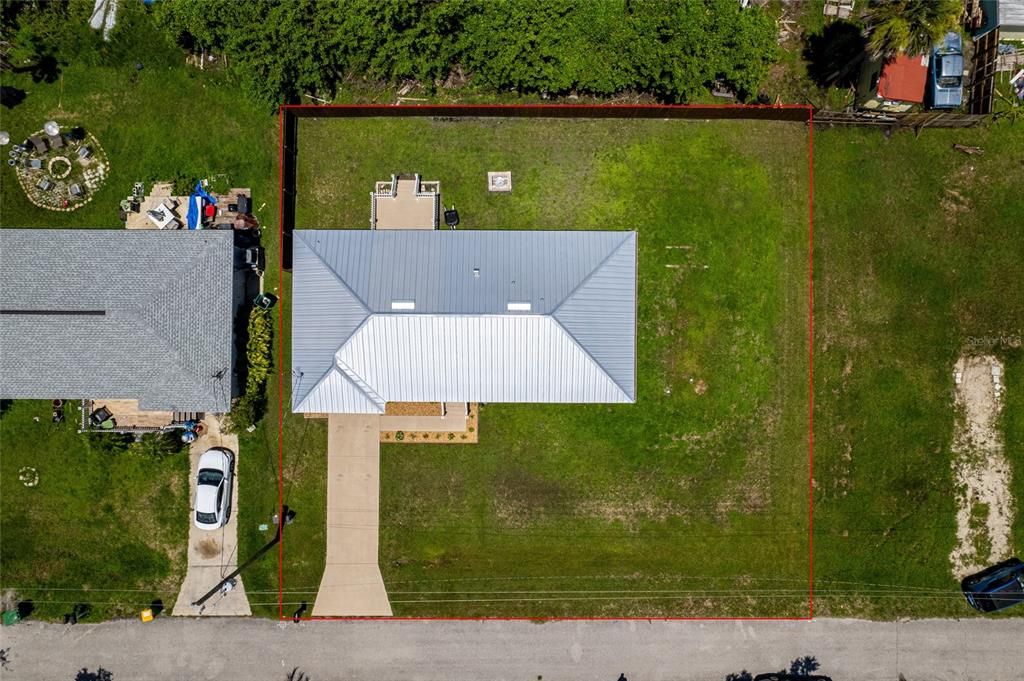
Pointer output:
x,y
522,497
631,505
984,503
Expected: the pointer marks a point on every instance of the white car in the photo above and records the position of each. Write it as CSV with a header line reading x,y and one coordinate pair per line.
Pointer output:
x,y
213,488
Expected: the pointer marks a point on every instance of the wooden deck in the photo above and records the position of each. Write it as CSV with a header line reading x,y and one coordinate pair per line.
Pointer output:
x,y
408,209
162,192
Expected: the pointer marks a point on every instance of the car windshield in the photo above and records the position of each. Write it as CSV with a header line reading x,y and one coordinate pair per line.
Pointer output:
x,y
205,517
950,72
208,476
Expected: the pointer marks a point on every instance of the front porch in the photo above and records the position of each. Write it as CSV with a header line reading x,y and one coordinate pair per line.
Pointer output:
x,y
127,417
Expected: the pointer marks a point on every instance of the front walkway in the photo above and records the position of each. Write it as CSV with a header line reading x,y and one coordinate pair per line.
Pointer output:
x,y
212,554
352,583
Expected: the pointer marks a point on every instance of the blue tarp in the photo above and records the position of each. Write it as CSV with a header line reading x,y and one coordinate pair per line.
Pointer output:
x,y
195,205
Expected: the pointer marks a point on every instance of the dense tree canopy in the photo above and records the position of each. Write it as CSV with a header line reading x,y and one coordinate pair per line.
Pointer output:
x,y
672,48
280,51
910,26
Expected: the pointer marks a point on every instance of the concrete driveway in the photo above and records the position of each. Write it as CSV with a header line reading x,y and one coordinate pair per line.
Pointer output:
x,y
212,554
352,583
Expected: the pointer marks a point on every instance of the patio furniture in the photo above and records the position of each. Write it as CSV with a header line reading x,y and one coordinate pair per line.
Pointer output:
x,y
75,190
35,164
44,185
100,416
244,205
264,301
84,152
163,217
56,141
451,217
37,144
253,259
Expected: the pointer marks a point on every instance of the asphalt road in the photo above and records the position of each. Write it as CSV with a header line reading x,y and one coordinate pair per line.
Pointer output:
x,y
257,650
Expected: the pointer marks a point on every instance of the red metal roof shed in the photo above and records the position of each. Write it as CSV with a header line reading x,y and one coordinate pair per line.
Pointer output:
x,y
903,79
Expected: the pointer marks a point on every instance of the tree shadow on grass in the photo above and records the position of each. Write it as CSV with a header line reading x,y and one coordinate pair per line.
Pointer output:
x,y
834,55
46,69
11,97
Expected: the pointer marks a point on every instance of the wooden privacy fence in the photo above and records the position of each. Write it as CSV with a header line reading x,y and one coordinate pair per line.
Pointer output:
x,y
916,121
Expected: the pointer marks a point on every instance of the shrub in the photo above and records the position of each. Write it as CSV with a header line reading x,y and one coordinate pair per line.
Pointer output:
x,y
250,407
258,351
159,445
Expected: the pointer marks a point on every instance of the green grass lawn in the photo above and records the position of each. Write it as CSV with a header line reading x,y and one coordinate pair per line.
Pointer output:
x,y
156,124
906,275
648,509
104,525
682,504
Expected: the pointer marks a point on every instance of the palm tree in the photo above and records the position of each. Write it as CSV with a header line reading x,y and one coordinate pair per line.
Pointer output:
x,y
910,26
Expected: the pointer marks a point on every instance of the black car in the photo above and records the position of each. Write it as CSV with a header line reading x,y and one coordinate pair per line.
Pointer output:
x,y
997,587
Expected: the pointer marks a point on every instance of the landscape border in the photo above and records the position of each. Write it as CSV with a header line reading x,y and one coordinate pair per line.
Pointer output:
x,y
288,115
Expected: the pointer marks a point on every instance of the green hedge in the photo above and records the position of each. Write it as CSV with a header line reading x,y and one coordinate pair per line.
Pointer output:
x,y
250,406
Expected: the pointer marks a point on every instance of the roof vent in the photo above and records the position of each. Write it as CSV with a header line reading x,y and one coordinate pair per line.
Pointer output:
x,y
519,307
476,272
403,304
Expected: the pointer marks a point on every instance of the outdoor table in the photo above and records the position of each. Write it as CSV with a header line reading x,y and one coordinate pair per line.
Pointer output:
x,y
168,216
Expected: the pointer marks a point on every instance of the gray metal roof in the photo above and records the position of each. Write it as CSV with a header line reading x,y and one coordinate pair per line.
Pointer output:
x,y
117,314
352,351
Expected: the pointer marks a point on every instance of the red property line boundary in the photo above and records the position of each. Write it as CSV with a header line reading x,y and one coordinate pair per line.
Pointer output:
x,y
289,113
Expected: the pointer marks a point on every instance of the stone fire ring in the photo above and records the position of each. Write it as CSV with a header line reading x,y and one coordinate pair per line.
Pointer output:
x,y
63,159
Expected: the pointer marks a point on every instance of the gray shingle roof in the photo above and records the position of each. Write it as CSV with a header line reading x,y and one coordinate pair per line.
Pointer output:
x,y
352,351
166,328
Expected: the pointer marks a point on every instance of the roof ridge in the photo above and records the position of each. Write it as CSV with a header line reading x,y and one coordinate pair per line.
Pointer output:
x,y
174,354
351,376
172,344
589,356
336,369
337,275
597,268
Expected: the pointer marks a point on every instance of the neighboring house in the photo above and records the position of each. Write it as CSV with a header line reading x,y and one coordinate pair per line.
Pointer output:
x,y
1005,15
461,316
893,85
117,314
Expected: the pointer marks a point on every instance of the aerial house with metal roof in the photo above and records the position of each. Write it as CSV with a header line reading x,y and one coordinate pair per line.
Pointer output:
x,y
384,316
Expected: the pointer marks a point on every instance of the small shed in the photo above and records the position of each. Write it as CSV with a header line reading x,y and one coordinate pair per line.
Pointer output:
x,y
895,84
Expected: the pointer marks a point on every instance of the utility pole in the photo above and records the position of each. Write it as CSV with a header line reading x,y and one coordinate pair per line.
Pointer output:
x,y
285,518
